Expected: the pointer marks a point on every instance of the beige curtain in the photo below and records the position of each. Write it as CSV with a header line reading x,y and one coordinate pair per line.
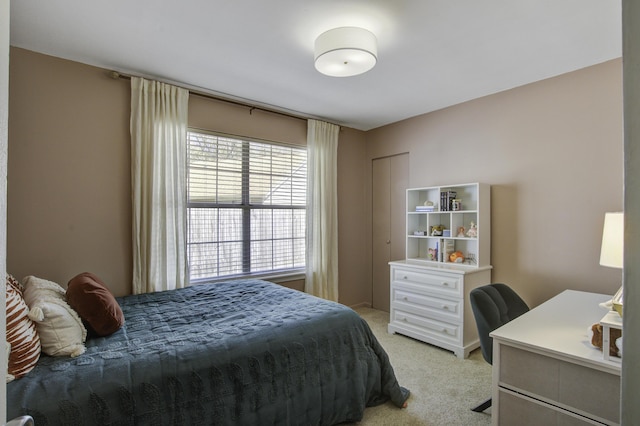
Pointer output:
x,y
322,210
158,174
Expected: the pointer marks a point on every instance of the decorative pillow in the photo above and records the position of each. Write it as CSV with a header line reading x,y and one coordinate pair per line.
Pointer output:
x,y
95,304
59,326
23,342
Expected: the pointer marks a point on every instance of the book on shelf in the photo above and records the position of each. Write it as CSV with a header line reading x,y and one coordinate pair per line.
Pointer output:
x,y
449,247
451,195
446,199
425,208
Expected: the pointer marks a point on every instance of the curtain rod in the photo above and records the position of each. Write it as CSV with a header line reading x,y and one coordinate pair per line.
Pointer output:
x,y
118,75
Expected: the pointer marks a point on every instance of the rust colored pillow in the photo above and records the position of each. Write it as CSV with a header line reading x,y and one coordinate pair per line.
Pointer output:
x,y
95,304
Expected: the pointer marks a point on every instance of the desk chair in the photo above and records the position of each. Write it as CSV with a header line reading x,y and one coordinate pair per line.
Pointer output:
x,y
21,421
493,305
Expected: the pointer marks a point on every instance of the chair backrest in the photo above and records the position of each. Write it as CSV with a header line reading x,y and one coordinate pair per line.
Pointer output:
x,y
494,305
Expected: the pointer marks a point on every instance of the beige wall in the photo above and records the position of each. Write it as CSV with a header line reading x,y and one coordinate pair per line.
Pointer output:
x,y
69,195
552,152
69,183
354,241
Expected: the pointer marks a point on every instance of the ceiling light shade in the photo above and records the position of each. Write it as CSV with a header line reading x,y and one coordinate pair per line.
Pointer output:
x,y
345,51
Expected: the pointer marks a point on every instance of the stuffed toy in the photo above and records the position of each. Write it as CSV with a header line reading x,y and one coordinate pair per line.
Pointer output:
x,y
456,257
615,339
436,230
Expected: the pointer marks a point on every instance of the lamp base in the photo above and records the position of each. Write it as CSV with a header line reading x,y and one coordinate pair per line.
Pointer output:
x,y
617,301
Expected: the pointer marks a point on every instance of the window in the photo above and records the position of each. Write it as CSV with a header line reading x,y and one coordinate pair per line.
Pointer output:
x,y
246,206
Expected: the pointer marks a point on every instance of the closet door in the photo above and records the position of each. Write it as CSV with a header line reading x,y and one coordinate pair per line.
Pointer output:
x,y
390,179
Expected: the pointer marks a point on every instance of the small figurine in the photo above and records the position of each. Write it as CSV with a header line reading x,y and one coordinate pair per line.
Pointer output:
x,y
433,254
473,231
460,232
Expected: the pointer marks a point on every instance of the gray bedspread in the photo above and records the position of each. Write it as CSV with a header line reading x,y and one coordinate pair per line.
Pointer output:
x,y
244,352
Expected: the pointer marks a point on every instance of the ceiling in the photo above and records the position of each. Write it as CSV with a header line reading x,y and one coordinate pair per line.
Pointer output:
x,y
431,53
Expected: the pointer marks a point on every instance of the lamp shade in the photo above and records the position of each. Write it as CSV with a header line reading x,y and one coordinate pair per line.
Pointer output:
x,y
612,251
345,51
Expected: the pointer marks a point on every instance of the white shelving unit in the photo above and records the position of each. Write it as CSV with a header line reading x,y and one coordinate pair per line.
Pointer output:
x,y
475,201
430,293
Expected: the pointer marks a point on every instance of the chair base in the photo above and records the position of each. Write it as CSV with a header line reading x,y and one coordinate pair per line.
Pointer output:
x,y
480,408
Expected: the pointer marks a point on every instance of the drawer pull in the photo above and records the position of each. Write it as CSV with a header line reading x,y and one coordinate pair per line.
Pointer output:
x,y
405,277
445,307
446,284
405,298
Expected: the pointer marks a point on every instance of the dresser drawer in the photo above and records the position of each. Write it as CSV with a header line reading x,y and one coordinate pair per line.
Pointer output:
x,y
561,383
439,329
517,409
426,305
444,284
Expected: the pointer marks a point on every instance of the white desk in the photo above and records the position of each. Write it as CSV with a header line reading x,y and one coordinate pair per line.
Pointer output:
x,y
545,370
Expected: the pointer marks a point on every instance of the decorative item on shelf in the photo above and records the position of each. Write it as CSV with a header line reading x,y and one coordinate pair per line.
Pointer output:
x,y
420,233
432,254
473,231
470,258
456,257
460,232
456,205
436,230
446,233
428,206
612,251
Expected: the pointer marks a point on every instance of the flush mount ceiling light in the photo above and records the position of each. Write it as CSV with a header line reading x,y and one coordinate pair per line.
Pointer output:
x,y
345,51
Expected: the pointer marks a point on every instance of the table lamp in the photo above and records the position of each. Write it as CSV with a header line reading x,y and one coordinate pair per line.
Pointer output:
x,y
612,251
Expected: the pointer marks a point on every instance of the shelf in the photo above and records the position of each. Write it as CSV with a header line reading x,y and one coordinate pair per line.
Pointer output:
x,y
475,201
433,263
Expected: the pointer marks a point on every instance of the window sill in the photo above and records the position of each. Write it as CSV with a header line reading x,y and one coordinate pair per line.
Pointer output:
x,y
275,277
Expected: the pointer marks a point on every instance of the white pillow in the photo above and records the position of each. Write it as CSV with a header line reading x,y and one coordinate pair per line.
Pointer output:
x,y
60,328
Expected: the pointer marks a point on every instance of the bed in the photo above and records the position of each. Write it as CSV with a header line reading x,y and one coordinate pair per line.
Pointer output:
x,y
244,352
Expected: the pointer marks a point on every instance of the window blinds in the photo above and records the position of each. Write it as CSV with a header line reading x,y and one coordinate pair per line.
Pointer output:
x,y
246,206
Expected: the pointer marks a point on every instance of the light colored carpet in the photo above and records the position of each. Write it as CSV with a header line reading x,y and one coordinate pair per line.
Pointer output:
x,y
443,387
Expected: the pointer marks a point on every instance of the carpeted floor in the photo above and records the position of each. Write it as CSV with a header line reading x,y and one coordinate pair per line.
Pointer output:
x,y
443,387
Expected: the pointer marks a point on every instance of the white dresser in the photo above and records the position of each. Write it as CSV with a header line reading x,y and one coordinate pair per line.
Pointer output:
x,y
545,370
431,304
